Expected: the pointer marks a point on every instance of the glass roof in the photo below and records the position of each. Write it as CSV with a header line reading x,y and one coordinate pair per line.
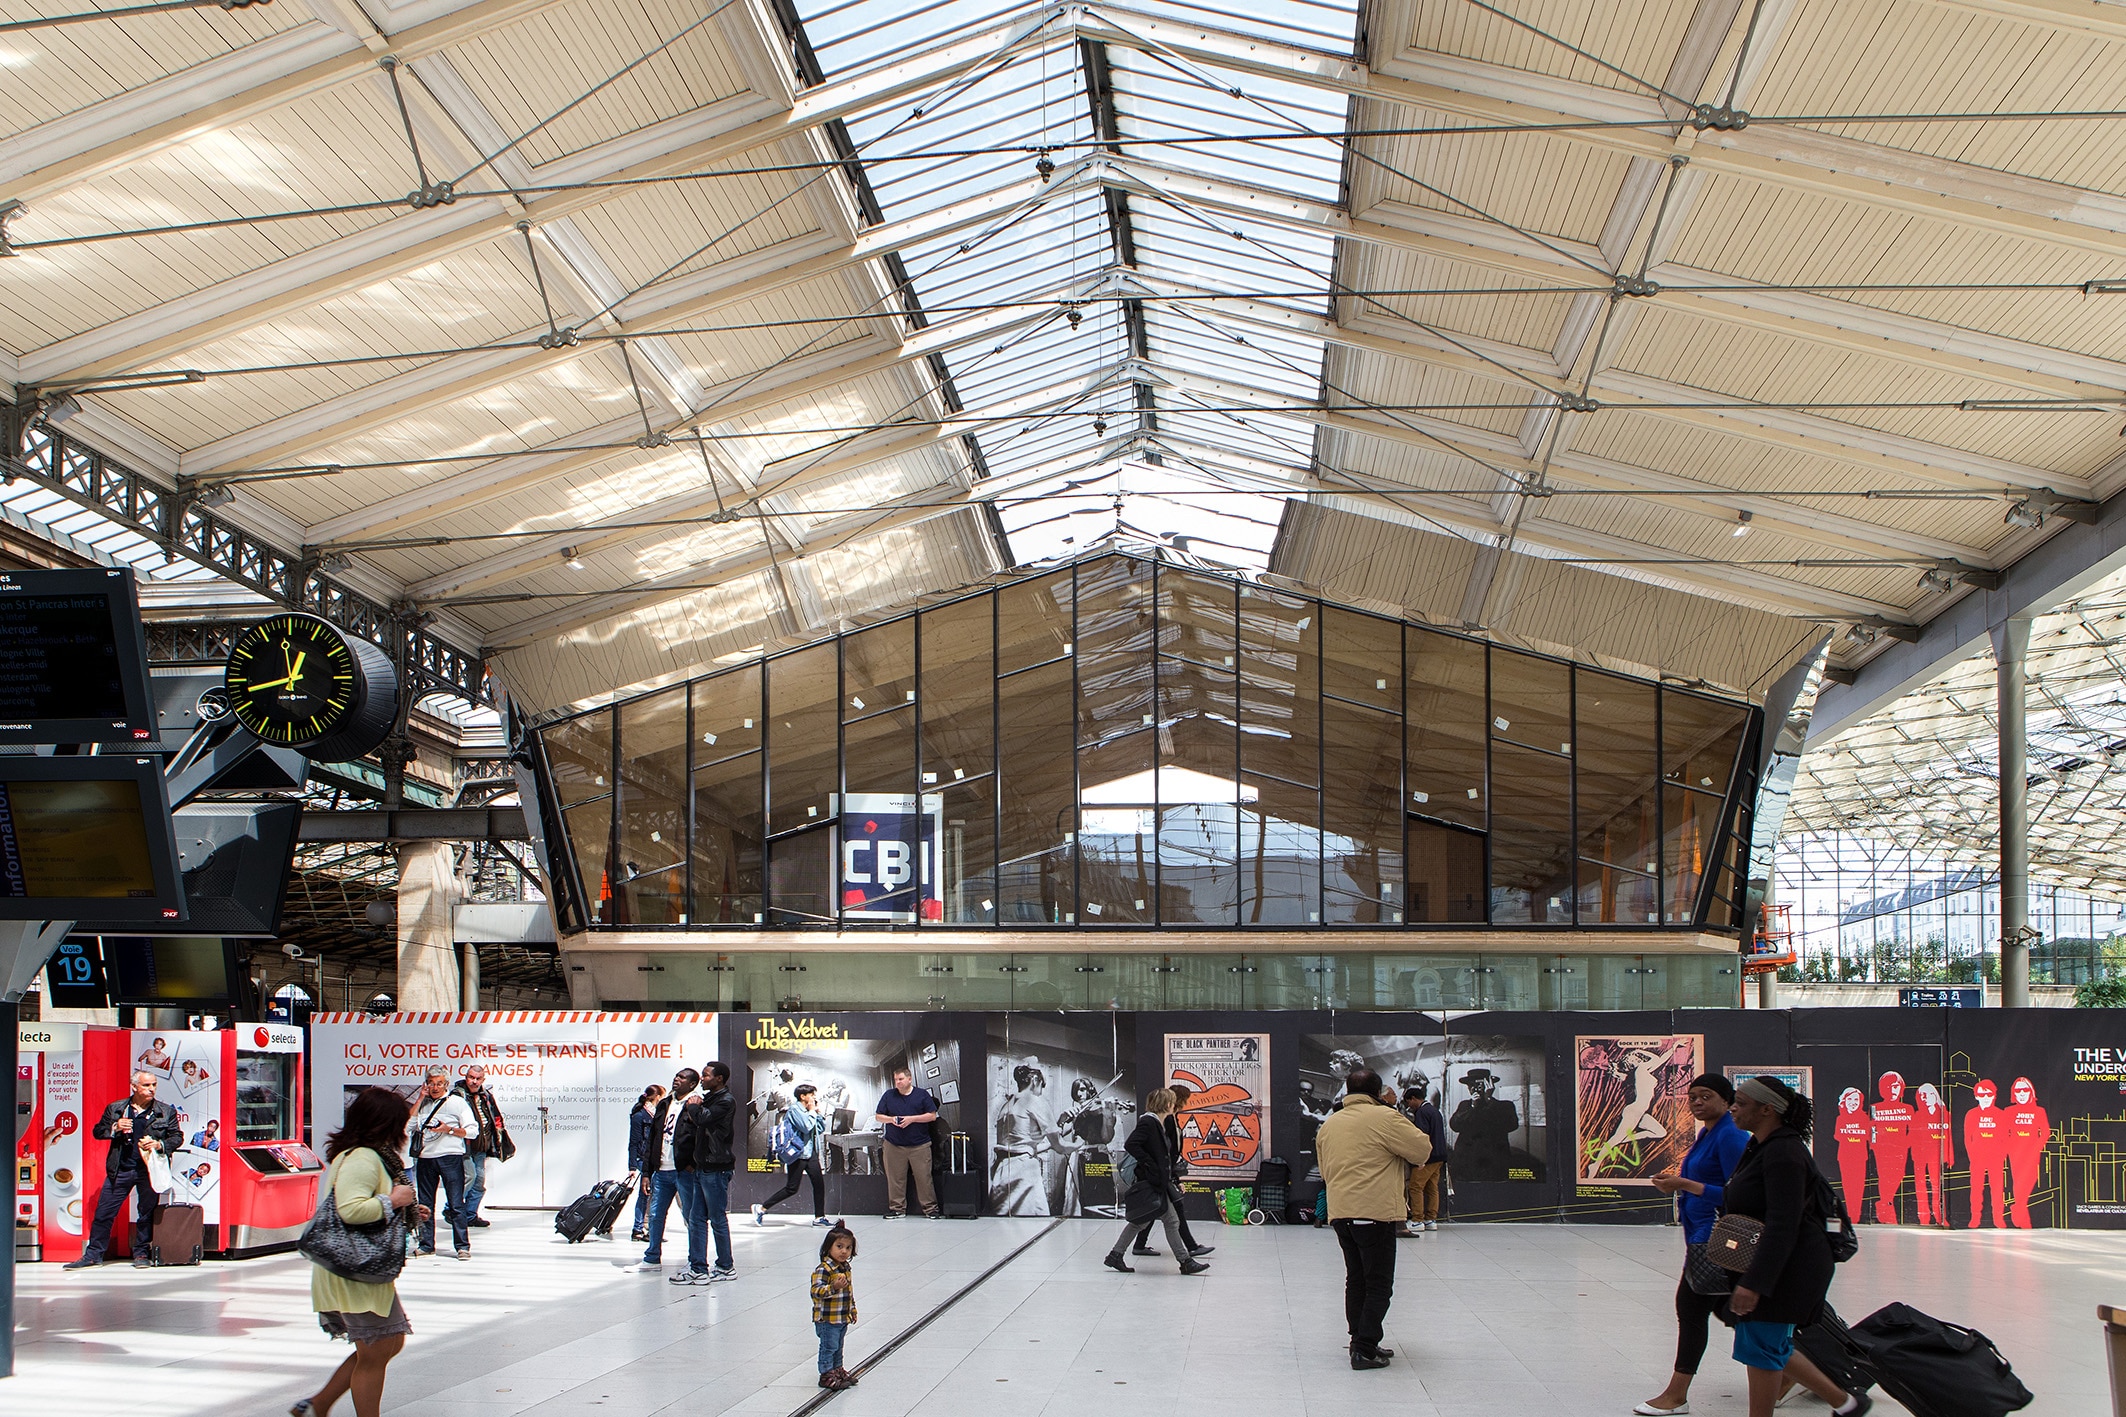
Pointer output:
x,y
1135,399
1923,775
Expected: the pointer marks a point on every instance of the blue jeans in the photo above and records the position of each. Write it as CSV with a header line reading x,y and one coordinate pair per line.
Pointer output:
x,y
689,1184
642,1207
830,1344
475,1184
664,1189
450,1170
716,1209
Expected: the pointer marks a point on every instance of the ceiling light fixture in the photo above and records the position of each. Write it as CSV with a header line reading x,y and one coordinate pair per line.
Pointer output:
x,y
1742,524
2104,287
2025,514
57,409
9,210
1937,581
570,559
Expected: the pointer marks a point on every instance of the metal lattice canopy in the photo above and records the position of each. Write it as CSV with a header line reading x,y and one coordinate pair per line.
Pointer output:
x,y
1924,773
612,339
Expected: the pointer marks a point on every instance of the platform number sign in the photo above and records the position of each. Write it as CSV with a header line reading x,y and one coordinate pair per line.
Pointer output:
x,y
75,976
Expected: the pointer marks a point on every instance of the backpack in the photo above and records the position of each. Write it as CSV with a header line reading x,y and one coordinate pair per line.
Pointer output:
x,y
784,1141
1845,1240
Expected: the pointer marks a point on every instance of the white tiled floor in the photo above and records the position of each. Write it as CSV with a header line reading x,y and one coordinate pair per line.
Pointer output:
x,y
1488,1319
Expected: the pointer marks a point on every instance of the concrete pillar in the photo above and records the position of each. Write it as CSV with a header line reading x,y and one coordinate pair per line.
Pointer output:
x,y
428,960
469,973
2011,643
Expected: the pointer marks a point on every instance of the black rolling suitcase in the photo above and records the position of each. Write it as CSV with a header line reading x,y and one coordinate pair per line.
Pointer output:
x,y
959,1189
596,1209
1935,1369
1829,1345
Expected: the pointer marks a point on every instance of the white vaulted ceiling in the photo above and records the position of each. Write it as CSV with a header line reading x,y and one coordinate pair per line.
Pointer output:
x,y
738,318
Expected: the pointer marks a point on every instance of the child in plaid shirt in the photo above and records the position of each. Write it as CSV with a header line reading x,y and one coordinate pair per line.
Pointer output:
x,y
834,1305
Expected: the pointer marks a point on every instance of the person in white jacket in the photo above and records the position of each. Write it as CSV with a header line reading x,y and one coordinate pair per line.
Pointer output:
x,y
435,1141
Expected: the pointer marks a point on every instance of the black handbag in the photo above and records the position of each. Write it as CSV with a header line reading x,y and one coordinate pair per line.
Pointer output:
x,y
1845,1240
366,1254
1701,1276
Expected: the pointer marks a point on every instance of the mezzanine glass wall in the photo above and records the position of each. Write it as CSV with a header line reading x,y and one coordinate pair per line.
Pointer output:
x,y
1127,743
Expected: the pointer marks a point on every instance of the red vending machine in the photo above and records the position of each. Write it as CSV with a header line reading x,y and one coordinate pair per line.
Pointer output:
x,y
238,1095
29,1158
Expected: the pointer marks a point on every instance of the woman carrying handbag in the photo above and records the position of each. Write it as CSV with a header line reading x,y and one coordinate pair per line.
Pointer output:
x,y
356,1246
1699,1186
1774,1235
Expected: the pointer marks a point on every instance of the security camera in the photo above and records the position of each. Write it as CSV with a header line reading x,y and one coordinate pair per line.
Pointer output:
x,y
292,951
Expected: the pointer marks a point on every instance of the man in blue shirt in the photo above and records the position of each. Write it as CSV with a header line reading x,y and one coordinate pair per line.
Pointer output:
x,y
906,1112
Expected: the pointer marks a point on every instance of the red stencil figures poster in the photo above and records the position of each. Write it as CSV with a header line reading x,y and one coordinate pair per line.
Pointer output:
x,y
1893,1144
1225,1122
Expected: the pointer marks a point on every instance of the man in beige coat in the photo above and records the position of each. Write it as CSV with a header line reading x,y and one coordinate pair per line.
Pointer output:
x,y
1366,1151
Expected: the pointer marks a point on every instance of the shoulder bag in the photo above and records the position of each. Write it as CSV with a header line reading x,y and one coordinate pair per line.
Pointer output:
x,y
365,1254
420,1133
1733,1243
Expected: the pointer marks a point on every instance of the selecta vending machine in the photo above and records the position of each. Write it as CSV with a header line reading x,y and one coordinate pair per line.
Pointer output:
x,y
238,1095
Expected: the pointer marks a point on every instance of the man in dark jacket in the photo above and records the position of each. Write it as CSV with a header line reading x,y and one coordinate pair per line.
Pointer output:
x,y
1424,1180
134,1125
705,1144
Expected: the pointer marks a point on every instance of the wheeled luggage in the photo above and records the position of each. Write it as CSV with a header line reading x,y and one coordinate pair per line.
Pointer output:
x,y
1829,1345
176,1234
1935,1369
959,1189
594,1210
1273,1192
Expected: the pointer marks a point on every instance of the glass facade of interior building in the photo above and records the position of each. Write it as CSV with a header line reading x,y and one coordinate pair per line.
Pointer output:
x,y
1123,742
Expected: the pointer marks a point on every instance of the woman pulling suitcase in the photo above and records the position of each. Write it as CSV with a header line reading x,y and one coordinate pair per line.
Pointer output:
x,y
1775,1182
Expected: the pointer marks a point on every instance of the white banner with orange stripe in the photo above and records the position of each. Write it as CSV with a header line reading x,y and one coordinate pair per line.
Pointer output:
x,y
564,1079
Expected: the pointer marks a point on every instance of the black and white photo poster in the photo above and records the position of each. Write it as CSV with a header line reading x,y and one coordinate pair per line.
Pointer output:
x,y
1062,1100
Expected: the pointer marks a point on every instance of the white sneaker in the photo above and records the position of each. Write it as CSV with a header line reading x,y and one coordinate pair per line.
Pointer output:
x,y
760,1215
644,1267
717,1276
686,1276
1432,1225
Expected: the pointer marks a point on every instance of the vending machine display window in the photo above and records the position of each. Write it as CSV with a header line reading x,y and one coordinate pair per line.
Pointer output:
x,y
265,1096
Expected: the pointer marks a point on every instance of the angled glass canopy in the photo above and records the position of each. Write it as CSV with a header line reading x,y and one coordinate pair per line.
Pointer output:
x,y
1131,740
1147,331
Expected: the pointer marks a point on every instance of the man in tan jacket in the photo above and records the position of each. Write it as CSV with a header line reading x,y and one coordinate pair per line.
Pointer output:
x,y
1365,1152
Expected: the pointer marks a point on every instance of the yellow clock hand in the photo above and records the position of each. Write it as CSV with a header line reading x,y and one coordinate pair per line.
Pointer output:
x,y
274,683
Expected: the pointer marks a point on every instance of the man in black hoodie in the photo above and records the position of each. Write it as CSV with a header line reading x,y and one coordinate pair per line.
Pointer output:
x,y
704,1145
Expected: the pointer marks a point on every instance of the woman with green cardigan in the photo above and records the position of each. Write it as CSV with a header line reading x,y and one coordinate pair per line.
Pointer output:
x,y
364,1173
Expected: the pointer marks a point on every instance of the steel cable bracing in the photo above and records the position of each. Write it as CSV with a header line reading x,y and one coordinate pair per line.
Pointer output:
x,y
1064,145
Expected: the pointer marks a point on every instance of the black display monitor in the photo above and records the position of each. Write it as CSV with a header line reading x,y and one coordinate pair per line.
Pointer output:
x,y
87,837
73,659
171,970
235,858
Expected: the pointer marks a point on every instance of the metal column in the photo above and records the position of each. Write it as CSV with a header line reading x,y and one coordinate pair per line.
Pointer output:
x,y
2011,643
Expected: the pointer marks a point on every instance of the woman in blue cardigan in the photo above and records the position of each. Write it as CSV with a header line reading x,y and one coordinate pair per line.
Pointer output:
x,y
1699,1189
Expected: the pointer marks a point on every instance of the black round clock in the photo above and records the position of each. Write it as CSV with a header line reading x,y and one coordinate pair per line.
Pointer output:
x,y
298,682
